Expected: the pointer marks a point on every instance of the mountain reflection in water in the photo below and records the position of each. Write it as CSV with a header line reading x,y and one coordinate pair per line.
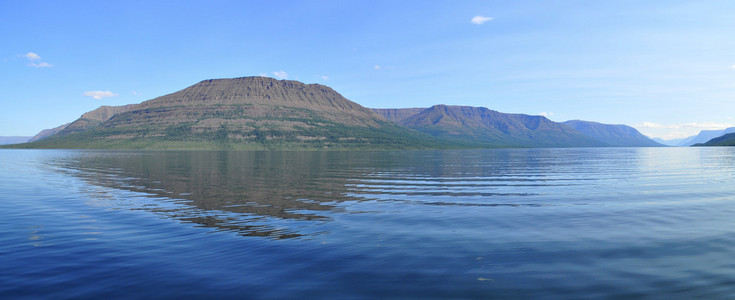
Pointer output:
x,y
221,189
248,191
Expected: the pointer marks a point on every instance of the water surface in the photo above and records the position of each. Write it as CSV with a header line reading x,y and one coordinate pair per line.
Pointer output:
x,y
530,223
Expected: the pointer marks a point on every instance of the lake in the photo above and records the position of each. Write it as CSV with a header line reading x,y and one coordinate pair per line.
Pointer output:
x,y
580,223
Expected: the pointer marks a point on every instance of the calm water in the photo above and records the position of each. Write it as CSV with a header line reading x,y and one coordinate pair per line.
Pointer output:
x,y
520,223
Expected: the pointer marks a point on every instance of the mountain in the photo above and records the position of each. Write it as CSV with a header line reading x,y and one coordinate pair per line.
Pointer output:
x,y
725,140
397,114
96,117
704,136
47,133
239,113
614,135
6,140
491,128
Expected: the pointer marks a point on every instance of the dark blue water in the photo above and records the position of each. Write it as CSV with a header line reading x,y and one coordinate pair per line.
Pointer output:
x,y
518,223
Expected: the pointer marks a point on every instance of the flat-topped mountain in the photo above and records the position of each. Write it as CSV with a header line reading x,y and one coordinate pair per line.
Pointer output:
x,y
249,112
492,128
613,135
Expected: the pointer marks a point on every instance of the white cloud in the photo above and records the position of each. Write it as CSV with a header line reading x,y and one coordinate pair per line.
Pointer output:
x,y
35,60
675,135
325,77
479,20
99,94
546,114
281,74
651,125
733,66
377,67
32,56
41,65
697,125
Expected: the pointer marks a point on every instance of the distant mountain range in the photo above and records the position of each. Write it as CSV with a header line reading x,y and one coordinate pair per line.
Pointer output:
x,y
614,135
265,113
701,138
5,140
491,128
513,130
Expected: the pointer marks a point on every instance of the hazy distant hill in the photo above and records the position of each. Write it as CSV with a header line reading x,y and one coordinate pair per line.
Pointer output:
x,y
704,136
614,135
492,128
672,142
5,140
248,112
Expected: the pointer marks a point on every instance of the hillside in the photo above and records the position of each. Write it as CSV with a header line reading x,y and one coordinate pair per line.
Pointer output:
x,y
725,140
47,133
704,136
614,135
495,129
239,113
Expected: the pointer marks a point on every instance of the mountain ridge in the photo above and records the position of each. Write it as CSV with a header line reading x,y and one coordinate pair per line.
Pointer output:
x,y
617,135
265,113
492,128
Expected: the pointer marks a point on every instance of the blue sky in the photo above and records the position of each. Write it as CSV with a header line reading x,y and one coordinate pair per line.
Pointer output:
x,y
664,67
